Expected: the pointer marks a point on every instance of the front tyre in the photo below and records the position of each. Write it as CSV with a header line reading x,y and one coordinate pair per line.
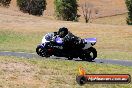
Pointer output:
x,y
41,51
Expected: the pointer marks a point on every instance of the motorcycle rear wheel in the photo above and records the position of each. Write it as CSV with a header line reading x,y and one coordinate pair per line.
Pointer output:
x,y
90,54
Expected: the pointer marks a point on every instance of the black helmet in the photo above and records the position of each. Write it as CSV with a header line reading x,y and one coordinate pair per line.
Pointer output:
x,y
62,32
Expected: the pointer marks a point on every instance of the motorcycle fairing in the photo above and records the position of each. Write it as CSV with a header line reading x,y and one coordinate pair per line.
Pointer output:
x,y
58,40
89,42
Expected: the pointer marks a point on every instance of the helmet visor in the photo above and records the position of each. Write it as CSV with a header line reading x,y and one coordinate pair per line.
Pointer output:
x,y
62,34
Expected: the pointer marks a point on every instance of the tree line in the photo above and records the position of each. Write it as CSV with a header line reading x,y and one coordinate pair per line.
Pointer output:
x,y
64,9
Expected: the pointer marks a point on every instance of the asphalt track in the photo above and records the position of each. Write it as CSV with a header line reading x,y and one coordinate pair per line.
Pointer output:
x,y
97,60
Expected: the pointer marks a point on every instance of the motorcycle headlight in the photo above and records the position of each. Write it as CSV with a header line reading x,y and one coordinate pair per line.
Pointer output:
x,y
48,38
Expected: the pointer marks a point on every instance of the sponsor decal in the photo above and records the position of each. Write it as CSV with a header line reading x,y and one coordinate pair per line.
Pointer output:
x,y
84,78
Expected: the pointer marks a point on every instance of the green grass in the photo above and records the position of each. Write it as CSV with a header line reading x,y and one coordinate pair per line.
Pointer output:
x,y
49,73
108,47
16,41
112,54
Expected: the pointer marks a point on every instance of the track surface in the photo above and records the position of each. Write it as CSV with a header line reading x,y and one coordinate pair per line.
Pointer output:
x,y
32,55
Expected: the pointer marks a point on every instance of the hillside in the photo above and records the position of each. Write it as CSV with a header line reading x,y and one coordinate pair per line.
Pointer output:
x,y
32,28
101,8
20,32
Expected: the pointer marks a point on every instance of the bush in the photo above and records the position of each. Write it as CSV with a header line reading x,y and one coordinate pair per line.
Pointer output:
x,y
66,9
34,7
5,3
23,5
129,7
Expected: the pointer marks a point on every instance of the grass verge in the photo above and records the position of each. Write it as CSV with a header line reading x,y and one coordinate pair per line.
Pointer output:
x,y
49,73
111,44
17,41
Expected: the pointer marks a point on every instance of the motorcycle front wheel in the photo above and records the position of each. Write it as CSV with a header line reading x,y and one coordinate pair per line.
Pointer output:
x,y
41,51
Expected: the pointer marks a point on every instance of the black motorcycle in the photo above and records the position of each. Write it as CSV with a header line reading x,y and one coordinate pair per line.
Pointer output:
x,y
50,47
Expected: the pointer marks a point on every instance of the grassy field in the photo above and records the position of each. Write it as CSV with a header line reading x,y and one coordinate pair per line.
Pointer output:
x,y
22,33
113,20
108,20
111,44
15,41
49,73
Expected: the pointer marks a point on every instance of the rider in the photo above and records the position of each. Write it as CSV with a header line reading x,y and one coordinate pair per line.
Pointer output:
x,y
70,40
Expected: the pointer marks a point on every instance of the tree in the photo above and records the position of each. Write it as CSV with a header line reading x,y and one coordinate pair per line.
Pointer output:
x,y
34,7
87,11
129,7
23,5
66,10
5,3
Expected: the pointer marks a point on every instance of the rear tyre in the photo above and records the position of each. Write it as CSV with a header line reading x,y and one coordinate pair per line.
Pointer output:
x,y
90,54
93,53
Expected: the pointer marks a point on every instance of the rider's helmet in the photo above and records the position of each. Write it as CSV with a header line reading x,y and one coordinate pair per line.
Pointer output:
x,y
62,32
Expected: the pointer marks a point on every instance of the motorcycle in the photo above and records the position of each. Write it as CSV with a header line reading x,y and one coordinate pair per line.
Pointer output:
x,y
54,46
